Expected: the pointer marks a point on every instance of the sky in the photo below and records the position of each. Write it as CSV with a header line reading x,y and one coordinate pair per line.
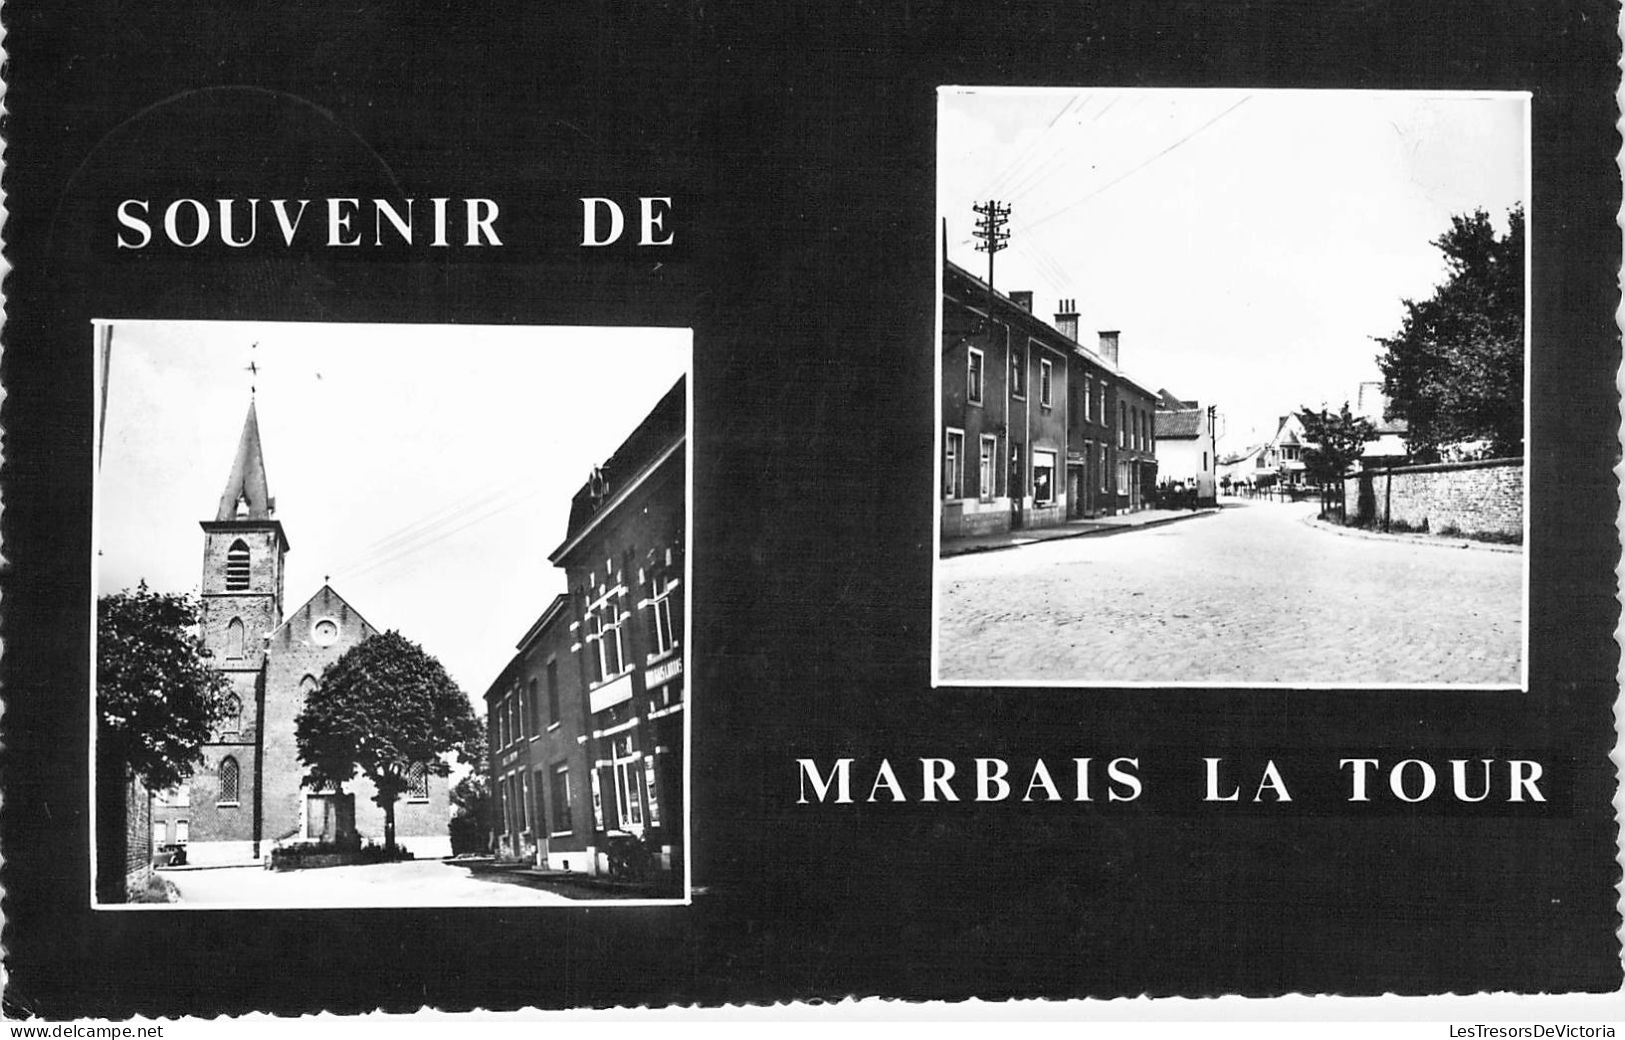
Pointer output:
x,y
427,468
1249,245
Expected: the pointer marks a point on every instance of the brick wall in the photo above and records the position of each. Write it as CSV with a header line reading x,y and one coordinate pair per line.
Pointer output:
x,y
138,848
1483,497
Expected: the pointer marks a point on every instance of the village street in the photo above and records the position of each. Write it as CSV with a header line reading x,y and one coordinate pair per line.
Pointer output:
x,y
1252,594
428,882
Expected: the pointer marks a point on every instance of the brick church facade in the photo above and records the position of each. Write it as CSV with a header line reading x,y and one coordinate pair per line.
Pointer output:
x,y
246,797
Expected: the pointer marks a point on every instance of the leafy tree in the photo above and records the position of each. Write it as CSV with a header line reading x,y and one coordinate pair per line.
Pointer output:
x,y
382,709
157,703
157,698
1334,442
1454,370
471,823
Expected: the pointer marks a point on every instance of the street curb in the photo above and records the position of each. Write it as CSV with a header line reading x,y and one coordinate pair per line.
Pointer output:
x,y
1410,538
1110,529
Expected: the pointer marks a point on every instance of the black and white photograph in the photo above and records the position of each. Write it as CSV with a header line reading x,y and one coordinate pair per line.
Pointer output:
x,y
1232,388
390,615
521,513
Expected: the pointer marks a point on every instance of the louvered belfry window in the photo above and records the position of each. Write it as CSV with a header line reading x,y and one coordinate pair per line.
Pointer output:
x,y
237,567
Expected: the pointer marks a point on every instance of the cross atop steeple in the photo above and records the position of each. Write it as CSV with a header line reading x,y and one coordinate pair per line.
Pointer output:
x,y
253,369
246,487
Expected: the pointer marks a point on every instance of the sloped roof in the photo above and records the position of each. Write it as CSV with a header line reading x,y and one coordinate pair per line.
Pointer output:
x,y
1174,425
1169,403
247,483
664,427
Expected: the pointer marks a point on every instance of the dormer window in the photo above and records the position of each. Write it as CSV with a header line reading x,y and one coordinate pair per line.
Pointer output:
x,y
237,567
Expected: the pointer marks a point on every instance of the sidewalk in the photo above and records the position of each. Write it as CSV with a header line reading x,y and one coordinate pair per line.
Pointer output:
x,y
1071,529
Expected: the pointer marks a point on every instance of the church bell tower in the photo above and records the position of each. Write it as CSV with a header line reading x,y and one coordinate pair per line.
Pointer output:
x,y
243,550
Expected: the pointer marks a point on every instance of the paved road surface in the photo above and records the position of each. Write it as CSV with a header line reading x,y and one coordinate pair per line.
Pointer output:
x,y
1250,595
419,883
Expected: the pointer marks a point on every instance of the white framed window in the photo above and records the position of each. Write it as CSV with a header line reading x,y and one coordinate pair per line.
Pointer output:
x,y
953,463
973,376
1105,471
1122,478
1045,378
160,834
628,783
1122,424
604,637
986,467
183,832
1043,478
1088,398
1018,374
559,801
660,587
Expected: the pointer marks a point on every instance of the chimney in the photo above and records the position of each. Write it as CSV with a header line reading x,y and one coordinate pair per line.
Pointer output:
x,y
1066,319
1108,347
1023,298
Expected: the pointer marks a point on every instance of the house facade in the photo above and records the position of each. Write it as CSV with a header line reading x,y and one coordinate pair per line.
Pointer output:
x,y
537,732
1036,427
600,774
1186,443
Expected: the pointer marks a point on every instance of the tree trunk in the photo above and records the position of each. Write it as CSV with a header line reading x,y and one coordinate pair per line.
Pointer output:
x,y
389,826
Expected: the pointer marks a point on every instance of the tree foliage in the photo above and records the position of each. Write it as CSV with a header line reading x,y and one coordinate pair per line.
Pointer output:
x,y
1333,442
1454,370
381,709
157,697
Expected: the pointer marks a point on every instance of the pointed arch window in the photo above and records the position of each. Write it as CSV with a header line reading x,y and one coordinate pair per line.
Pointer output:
x,y
417,782
232,725
230,780
234,638
237,567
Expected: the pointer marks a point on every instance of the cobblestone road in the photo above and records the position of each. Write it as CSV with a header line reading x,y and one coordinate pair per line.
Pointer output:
x,y
1250,595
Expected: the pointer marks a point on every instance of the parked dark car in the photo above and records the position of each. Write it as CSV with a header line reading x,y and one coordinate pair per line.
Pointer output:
x,y
176,853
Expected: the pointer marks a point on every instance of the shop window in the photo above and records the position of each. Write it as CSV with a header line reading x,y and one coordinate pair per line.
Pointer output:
x,y
1043,478
628,783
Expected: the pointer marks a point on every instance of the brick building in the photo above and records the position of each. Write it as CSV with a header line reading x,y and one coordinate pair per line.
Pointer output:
x,y
537,728
246,796
1037,428
587,752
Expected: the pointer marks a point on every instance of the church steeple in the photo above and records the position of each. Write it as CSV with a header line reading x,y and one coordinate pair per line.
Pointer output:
x,y
246,487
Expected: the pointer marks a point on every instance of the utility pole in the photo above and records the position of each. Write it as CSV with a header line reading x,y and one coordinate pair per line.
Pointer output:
x,y
990,229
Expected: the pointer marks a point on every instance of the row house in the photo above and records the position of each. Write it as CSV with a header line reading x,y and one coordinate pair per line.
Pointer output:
x,y
1036,427
587,721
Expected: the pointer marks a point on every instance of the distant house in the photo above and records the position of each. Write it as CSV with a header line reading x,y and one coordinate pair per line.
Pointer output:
x,y
1389,447
1283,454
1185,443
1240,467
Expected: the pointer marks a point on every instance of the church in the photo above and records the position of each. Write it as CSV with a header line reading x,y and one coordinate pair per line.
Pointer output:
x,y
246,798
